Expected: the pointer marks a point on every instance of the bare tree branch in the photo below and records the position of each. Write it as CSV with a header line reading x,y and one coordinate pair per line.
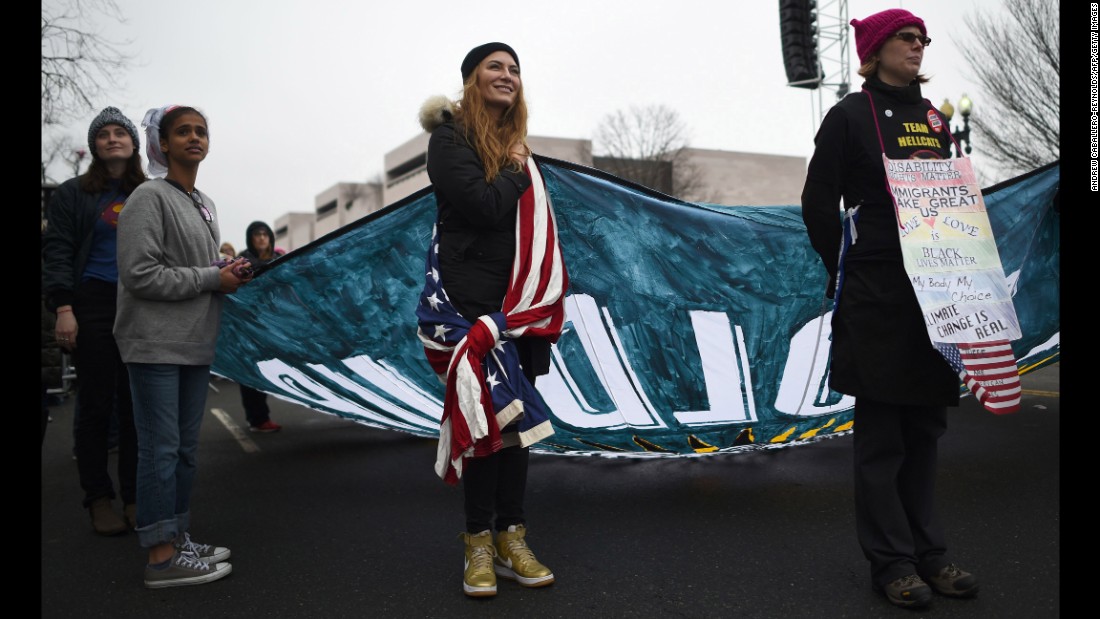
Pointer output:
x,y
78,64
647,145
1017,63
54,148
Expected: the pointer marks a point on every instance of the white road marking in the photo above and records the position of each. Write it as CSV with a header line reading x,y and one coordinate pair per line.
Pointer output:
x,y
247,444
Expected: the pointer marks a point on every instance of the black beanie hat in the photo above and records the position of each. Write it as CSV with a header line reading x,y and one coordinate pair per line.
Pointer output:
x,y
477,54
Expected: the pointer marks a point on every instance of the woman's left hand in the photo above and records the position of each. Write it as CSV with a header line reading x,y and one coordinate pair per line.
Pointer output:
x,y
519,153
234,274
65,329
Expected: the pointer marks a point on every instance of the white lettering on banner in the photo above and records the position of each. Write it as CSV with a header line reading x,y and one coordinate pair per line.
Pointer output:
x,y
727,391
412,421
806,369
391,381
723,352
295,384
633,408
1010,280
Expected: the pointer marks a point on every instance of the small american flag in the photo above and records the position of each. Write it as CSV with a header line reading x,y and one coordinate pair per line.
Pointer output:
x,y
478,362
989,371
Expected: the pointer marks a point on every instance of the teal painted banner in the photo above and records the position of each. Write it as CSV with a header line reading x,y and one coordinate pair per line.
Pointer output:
x,y
691,328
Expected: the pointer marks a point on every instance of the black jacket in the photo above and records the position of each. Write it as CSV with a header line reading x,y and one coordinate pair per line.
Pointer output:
x,y
476,222
67,242
847,162
880,346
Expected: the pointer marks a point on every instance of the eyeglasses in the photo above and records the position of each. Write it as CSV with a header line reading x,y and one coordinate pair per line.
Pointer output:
x,y
196,198
909,37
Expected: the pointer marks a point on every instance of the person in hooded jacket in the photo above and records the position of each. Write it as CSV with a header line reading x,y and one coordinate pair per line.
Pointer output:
x,y
260,249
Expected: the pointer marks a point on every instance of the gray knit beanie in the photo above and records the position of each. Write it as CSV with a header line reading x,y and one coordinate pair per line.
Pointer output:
x,y
111,116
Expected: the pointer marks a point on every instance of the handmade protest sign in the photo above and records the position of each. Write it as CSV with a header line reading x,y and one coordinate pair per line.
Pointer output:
x,y
950,255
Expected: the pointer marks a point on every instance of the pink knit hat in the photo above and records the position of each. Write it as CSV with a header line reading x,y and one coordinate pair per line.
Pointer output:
x,y
873,31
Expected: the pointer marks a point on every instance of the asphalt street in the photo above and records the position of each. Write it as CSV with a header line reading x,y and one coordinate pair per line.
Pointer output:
x,y
330,518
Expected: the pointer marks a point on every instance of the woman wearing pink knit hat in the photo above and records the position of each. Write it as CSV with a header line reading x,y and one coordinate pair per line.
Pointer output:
x,y
881,352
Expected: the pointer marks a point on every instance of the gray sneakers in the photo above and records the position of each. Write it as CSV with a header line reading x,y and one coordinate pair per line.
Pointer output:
x,y
205,552
185,569
953,582
907,591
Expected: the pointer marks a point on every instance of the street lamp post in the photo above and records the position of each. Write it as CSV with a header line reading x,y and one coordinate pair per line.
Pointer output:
x,y
961,135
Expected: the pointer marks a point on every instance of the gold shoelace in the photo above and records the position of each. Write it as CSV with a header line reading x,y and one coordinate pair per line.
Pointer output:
x,y
481,558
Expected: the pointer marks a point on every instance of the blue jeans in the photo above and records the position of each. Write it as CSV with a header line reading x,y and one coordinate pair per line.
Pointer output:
x,y
169,402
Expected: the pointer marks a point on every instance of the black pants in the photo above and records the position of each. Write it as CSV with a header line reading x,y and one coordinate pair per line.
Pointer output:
x,y
256,410
103,387
895,448
45,409
496,484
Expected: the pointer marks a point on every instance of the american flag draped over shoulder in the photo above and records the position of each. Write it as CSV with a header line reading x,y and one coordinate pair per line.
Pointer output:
x,y
485,387
989,371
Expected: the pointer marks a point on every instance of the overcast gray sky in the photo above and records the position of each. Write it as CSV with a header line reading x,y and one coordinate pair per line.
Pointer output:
x,y
301,95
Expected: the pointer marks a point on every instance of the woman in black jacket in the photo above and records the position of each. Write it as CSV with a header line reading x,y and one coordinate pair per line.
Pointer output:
x,y
881,352
80,279
502,292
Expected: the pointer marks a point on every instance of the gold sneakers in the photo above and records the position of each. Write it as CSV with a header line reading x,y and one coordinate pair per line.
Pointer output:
x,y
514,560
478,579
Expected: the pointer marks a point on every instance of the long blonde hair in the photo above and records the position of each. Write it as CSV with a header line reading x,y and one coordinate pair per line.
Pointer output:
x,y
491,138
